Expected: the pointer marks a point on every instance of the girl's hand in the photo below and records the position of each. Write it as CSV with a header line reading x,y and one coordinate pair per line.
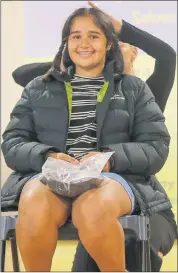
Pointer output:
x,y
106,166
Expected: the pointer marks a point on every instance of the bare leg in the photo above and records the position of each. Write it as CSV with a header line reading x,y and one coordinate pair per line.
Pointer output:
x,y
40,214
95,214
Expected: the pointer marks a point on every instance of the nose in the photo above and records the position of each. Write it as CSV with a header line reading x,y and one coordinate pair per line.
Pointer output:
x,y
84,43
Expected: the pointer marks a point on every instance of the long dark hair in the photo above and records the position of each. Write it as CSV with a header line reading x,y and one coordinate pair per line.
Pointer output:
x,y
103,21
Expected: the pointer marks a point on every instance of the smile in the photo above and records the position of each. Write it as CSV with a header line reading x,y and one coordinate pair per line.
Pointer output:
x,y
85,53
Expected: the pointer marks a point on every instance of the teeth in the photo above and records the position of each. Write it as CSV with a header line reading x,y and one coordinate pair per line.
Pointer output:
x,y
85,53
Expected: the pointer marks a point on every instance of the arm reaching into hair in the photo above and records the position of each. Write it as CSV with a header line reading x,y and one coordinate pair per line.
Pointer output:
x,y
162,79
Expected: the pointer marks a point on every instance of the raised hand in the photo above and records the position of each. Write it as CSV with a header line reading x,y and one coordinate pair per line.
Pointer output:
x,y
117,23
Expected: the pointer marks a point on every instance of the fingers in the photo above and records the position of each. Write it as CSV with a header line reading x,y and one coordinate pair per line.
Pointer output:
x,y
106,167
88,155
117,24
85,157
70,159
64,157
93,5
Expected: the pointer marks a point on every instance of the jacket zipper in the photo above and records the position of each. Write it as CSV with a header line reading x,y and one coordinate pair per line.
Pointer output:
x,y
100,97
68,93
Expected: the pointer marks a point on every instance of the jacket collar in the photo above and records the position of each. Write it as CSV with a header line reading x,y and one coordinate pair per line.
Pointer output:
x,y
67,75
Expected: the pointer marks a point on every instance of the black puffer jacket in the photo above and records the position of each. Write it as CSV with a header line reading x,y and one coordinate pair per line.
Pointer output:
x,y
128,122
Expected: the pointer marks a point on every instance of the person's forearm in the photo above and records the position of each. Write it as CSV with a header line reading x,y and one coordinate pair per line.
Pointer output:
x,y
117,25
145,41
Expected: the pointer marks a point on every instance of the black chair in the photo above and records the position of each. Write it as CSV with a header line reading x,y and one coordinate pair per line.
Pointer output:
x,y
136,223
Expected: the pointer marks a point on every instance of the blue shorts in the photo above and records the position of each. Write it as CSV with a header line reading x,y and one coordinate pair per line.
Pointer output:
x,y
120,180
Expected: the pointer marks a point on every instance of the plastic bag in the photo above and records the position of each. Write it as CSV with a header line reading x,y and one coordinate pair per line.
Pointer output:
x,y
71,180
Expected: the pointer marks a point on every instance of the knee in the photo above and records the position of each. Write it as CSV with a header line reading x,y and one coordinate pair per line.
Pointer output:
x,y
38,208
34,199
34,207
93,220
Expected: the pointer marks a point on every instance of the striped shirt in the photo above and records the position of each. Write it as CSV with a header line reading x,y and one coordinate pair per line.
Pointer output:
x,y
82,130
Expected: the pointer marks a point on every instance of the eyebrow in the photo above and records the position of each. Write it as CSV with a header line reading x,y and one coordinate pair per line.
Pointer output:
x,y
90,31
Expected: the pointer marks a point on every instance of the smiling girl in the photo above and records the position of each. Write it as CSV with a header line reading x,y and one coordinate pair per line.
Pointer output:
x,y
85,105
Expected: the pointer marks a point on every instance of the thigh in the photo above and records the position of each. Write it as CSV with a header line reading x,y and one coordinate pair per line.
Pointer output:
x,y
109,199
38,199
162,236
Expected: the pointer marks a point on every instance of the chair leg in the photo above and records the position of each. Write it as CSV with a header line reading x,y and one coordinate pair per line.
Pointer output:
x,y
14,250
3,254
145,256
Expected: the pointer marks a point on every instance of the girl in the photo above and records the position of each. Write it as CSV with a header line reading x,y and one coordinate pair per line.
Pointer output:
x,y
160,83
85,105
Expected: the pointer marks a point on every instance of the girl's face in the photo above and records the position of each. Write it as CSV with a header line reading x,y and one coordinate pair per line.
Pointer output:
x,y
87,45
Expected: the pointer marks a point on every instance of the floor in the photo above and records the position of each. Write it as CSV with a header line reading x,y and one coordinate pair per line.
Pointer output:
x,y
64,254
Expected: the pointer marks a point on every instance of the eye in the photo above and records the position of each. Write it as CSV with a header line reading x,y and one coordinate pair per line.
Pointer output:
x,y
76,37
93,37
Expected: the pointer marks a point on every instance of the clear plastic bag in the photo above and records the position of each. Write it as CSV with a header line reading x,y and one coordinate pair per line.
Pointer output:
x,y
71,180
